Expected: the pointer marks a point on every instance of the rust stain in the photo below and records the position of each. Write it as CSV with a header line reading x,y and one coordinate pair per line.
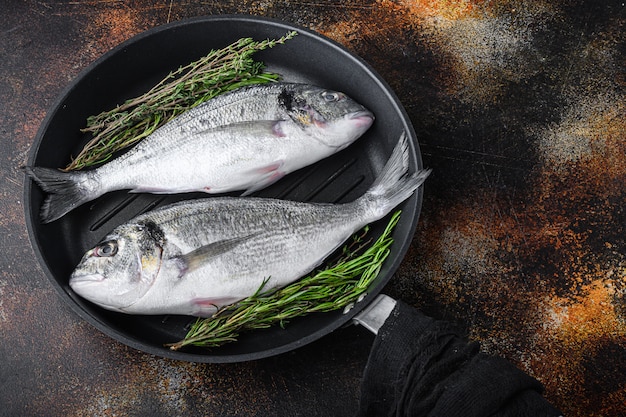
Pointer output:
x,y
382,21
345,32
575,331
449,9
587,316
487,48
591,119
479,47
111,27
590,131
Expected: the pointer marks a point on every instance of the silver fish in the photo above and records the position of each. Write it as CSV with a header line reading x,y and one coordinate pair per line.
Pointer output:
x,y
245,140
196,256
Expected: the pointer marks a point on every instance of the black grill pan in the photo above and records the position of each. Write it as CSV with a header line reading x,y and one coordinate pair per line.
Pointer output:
x,y
129,70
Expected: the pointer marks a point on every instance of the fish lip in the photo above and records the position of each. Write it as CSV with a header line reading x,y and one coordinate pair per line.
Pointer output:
x,y
84,280
361,114
363,118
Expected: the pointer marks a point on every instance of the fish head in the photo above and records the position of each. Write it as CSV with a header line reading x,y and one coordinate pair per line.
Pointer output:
x,y
330,117
121,269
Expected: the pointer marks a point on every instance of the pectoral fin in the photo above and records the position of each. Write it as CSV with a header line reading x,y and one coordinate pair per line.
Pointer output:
x,y
206,307
268,175
197,258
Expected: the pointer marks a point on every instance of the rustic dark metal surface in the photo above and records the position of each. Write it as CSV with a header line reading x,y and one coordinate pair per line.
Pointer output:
x,y
520,110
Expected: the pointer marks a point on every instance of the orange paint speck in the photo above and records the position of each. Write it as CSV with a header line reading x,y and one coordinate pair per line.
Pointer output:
x,y
112,27
590,315
574,330
448,9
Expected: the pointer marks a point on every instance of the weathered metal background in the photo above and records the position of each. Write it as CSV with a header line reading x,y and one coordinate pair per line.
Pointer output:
x,y
520,110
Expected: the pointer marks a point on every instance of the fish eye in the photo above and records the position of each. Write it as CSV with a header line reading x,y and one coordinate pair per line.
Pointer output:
x,y
107,249
330,96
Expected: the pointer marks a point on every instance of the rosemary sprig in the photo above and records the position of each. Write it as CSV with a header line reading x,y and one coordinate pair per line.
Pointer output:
x,y
219,71
335,287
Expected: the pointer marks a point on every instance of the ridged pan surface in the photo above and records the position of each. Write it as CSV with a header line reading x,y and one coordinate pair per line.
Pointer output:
x,y
129,70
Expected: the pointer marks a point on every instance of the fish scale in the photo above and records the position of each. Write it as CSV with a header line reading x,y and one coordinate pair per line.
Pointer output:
x,y
231,107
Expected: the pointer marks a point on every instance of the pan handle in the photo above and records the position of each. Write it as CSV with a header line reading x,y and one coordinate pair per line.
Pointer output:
x,y
374,315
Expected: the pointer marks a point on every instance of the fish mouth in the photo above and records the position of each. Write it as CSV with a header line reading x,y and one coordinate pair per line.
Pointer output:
x,y
81,281
362,118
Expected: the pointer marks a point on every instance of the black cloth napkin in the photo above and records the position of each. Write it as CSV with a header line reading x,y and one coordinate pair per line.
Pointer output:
x,y
423,367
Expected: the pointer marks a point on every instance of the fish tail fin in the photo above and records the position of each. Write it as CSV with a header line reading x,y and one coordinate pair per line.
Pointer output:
x,y
64,191
393,185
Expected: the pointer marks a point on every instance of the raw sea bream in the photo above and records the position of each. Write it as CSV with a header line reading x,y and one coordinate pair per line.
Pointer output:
x,y
243,140
196,256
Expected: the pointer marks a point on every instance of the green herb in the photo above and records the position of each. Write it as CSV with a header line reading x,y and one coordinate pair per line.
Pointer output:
x,y
219,71
333,288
